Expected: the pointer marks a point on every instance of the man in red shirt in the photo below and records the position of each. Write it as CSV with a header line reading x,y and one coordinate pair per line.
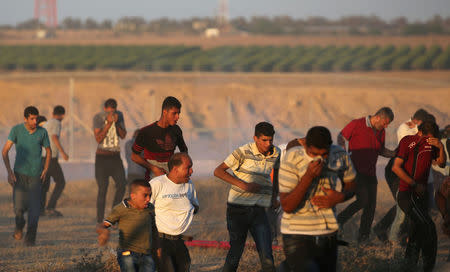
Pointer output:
x,y
366,141
159,140
412,165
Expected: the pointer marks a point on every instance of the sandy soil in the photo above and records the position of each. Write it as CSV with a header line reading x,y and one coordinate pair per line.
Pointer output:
x,y
71,37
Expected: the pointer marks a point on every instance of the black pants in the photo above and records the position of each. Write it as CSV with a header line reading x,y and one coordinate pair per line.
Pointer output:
x,y
240,220
310,253
421,232
174,256
108,166
55,172
381,228
366,199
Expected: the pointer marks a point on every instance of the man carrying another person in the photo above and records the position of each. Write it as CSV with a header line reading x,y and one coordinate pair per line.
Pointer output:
x,y
53,127
159,140
28,172
366,137
251,192
412,165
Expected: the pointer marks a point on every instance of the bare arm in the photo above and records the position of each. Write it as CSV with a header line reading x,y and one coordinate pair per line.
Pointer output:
x,y
387,153
400,172
157,171
291,200
121,131
48,156
5,152
103,233
341,140
100,133
56,141
442,159
221,172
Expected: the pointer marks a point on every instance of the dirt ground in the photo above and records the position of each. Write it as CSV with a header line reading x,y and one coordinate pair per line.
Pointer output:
x,y
85,37
69,243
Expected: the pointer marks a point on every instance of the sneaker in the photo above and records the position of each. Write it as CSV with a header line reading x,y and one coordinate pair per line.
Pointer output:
x,y
18,234
53,213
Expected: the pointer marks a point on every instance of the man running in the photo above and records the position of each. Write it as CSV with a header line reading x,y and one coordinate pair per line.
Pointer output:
x,y
28,172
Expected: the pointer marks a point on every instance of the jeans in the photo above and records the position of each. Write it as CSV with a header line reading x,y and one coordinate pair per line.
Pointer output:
x,y
108,166
240,220
174,256
366,199
310,253
55,172
422,231
27,197
135,262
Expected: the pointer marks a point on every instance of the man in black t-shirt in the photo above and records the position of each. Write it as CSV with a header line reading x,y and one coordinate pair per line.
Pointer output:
x,y
159,140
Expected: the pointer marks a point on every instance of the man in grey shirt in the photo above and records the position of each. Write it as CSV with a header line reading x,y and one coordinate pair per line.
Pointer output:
x,y
53,127
109,127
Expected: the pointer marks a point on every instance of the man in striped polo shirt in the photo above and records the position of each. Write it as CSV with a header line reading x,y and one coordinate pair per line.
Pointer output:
x,y
251,192
309,175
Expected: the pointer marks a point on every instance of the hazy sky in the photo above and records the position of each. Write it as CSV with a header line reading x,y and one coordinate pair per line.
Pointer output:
x,y
13,11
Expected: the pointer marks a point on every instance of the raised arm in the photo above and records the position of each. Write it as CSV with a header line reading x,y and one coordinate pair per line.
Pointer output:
x,y
291,200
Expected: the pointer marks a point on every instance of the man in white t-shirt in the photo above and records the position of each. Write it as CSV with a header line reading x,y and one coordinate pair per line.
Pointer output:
x,y
175,201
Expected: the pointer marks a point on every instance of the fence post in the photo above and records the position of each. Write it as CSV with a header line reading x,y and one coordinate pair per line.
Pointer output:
x,y
71,114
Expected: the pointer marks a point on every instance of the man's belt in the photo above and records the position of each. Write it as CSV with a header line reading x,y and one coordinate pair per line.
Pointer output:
x,y
175,237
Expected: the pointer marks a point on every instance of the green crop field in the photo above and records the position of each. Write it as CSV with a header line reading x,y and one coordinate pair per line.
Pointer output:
x,y
224,58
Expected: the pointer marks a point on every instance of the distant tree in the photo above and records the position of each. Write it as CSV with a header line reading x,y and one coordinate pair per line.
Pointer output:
x,y
30,24
71,23
90,24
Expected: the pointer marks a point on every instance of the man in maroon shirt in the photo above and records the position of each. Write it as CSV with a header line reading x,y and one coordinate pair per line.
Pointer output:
x,y
159,140
366,141
416,154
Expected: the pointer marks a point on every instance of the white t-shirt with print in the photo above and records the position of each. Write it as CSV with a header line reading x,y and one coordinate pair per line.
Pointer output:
x,y
174,204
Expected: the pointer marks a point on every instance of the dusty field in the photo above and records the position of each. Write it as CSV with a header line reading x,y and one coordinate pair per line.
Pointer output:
x,y
69,243
84,37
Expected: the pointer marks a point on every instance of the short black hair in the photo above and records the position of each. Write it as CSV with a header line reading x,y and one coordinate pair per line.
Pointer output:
x,y
137,183
171,102
385,112
429,127
30,110
177,159
111,103
59,110
40,119
420,115
319,137
430,118
264,128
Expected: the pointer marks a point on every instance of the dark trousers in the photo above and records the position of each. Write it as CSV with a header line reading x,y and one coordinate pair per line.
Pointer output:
x,y
366,199
55,172
108,166
422,235
174,256
381,228
310,253
27,198
240,220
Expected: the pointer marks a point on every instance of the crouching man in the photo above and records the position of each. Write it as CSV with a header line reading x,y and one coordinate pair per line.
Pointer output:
x,y
137,229
308,177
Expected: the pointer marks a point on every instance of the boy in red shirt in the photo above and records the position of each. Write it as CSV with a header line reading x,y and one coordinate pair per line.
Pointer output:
x,y
412,165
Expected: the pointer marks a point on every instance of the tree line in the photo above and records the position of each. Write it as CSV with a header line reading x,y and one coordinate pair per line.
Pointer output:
x,y
278,25
225,58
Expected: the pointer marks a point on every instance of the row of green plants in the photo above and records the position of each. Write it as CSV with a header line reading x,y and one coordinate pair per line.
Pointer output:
x,y
224,59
